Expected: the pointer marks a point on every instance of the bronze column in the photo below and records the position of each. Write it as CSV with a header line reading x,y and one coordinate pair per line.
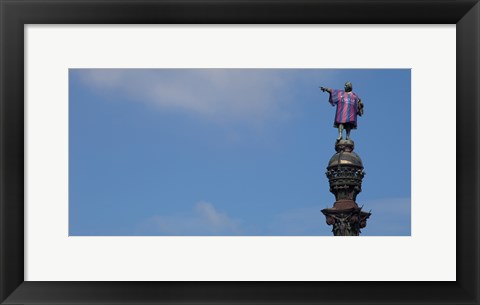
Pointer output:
x,y
345,174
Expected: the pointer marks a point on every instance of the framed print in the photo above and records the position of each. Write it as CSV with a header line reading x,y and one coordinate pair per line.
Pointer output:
x,y
261,130
127,178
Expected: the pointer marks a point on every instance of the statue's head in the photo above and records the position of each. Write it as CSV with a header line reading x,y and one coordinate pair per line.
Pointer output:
x,y
348,86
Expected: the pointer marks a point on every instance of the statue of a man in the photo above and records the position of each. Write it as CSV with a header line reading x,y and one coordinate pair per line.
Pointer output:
x,y
349,105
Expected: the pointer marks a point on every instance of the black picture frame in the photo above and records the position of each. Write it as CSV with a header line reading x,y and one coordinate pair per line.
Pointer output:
x,y
14,14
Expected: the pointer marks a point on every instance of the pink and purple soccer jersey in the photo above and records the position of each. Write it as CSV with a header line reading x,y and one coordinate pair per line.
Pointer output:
x,y
347,105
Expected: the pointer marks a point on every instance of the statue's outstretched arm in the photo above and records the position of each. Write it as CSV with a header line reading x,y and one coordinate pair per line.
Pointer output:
x,y
326,89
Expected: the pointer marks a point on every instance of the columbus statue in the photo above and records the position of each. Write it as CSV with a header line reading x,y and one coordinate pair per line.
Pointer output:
x,y
349,105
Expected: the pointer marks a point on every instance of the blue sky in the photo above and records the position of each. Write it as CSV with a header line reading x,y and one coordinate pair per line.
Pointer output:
x,y
230,151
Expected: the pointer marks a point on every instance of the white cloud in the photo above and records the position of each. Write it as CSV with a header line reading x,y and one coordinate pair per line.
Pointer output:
x,y
214,218
219,94
204,219
390,217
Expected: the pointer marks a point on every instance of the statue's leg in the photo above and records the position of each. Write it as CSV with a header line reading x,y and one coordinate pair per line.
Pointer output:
x,y
348,128
340,132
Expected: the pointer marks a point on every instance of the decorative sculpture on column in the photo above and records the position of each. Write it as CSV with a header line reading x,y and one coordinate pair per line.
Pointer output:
x,y
345,170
